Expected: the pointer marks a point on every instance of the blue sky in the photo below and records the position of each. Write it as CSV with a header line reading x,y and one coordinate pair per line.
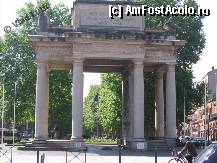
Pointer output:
x,y
208,59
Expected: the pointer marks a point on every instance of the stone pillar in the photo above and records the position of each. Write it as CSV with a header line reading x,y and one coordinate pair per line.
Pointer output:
x,y
170,102
77,101
159,102
42,100
138,104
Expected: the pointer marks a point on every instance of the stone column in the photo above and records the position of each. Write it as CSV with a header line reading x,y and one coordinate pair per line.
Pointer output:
x,y
159,101
77,101
42,100
138,103
170,102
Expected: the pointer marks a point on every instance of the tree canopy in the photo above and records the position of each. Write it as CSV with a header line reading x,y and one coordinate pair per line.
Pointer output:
x,y
18,65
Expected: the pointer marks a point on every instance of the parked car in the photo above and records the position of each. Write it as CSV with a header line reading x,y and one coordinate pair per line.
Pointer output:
x,y
26,136
208,155
200,142
8,135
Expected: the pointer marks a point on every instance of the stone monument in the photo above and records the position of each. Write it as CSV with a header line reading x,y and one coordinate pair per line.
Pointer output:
x,y
97,43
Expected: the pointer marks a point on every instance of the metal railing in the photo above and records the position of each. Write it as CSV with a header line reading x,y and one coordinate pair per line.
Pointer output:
x,y
6,154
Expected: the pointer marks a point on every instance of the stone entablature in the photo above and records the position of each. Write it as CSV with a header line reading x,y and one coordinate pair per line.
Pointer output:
x,y
59,49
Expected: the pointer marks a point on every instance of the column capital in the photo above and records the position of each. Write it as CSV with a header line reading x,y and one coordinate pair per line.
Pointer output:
x,y
171,67
159,74
138,63
78,61
42,66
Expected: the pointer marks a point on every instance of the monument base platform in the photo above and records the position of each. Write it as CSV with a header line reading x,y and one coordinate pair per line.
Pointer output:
x,y
53,145
137,144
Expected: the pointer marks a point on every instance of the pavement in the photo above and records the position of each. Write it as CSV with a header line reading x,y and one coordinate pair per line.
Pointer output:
x,y
95,154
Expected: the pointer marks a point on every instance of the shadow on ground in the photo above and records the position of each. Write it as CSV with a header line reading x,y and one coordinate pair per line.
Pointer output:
x,y
113,150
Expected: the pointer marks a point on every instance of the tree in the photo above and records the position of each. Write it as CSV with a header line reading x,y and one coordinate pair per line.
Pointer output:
x,y
107,112
110,103
91,112
18,64
16,57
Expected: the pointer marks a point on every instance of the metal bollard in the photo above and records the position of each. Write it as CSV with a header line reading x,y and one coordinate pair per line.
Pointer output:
x,y
155,155
37,156
42,158
119,149
11,155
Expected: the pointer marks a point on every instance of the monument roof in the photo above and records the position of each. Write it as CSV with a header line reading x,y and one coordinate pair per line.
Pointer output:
x,y
108,2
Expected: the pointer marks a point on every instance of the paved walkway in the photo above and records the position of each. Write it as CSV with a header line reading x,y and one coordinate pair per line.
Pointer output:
x,y
94,155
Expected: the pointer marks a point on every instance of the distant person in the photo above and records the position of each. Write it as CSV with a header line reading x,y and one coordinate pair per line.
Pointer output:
x,y
190,148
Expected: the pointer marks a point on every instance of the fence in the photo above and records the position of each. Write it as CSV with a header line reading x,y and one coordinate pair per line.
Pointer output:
x,y
72,155
6,154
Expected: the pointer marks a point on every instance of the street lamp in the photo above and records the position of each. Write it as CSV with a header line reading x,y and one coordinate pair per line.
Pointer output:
x,y
184,114
208,127
2,116
205,109
15,93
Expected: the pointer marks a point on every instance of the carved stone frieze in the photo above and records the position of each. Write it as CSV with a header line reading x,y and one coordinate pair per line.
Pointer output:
x,y
50,52
157,55
109,50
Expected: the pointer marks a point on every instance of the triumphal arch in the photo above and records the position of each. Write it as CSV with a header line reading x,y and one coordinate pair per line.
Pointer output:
x,y
96,43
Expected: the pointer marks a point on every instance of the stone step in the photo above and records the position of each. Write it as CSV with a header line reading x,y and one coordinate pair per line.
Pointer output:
x,y
60,143
157,145
55,143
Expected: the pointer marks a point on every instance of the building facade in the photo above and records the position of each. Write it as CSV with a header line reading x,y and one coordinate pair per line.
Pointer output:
x,y
203,121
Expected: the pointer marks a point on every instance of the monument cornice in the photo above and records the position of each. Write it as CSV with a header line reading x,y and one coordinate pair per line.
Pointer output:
x,y
107,2
69,38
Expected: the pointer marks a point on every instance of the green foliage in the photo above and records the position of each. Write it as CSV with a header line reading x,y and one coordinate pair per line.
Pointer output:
x,y
91,113
16,58
18,64
59,15
198,94
107,113
32,11
60,103
110,102
149,103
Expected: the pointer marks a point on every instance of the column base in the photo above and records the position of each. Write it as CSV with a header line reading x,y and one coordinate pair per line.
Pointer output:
x,y
77,142
39,143
137,143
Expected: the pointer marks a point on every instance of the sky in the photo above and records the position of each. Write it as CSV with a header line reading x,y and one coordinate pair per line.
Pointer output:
x,y
209,56
208,59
